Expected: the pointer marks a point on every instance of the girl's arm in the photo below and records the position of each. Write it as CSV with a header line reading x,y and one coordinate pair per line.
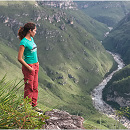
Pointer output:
x,y
20,59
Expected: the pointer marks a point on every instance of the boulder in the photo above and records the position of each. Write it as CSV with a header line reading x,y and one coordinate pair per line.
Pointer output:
x,y
63,120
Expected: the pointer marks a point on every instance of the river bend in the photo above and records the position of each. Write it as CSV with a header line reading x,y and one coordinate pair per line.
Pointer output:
x,y
98,102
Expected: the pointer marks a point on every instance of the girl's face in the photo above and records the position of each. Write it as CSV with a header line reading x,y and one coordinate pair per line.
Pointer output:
x,y
33,32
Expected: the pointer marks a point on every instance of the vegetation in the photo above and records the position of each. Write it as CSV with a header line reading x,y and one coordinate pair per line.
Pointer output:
x,y
107,12
15,112
120,86
25,118
94,27
72,61
119,43
118,40
102,122
123,111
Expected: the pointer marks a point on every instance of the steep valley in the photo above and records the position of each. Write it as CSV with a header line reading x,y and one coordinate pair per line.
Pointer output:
x,y
107,12
116,92
72,59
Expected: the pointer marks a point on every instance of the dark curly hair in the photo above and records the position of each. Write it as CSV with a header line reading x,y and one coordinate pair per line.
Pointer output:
x,y
22,32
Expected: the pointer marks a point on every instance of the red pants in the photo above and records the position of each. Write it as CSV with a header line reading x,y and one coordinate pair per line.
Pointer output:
x,y
31,83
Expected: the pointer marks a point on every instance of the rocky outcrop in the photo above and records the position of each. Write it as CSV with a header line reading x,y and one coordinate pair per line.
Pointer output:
x,y
63,120
59,4
122,101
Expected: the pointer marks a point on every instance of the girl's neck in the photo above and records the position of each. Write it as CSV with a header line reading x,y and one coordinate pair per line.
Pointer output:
x,y
28,37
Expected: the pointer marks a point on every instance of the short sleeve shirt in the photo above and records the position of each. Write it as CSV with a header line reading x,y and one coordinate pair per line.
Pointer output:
x,y
30,51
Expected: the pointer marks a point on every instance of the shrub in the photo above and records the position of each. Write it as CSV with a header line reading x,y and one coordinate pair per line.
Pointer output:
x,y
17,112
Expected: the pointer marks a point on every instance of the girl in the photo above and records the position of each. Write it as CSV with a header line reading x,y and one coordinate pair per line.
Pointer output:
x,y
30,64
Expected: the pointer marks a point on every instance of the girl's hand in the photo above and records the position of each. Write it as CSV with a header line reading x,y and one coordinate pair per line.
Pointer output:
x,y
30,69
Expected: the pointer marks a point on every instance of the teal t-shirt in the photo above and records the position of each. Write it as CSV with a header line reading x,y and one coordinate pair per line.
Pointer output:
x,y
30,52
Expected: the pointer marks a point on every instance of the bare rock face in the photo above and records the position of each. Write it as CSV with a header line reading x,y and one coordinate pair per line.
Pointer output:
x,y
63,120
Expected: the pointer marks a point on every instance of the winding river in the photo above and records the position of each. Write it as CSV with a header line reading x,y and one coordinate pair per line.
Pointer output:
x,y
98,102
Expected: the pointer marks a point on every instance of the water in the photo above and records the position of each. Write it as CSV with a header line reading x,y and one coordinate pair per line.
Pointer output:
x,y
98,102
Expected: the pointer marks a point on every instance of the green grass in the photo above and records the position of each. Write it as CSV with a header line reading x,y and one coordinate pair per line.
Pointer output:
x,y
16,112
102,122
92,26
9,63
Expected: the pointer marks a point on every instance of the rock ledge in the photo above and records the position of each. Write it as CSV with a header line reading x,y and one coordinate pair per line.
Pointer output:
x,y
63,120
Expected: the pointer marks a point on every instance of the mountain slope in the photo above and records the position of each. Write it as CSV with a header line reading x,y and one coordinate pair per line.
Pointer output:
x,y
92,26
107,12
72,61
97,29
118,40
117,91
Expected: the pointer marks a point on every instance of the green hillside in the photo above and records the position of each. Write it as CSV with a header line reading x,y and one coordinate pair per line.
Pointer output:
x,y
119,88
72,61
120,82
92,26
107,12
118,40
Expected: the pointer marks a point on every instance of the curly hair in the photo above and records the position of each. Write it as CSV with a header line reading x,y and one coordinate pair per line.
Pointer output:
x,y
22,32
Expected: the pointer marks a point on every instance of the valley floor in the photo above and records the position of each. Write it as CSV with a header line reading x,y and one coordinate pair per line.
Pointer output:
x,y
98,102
